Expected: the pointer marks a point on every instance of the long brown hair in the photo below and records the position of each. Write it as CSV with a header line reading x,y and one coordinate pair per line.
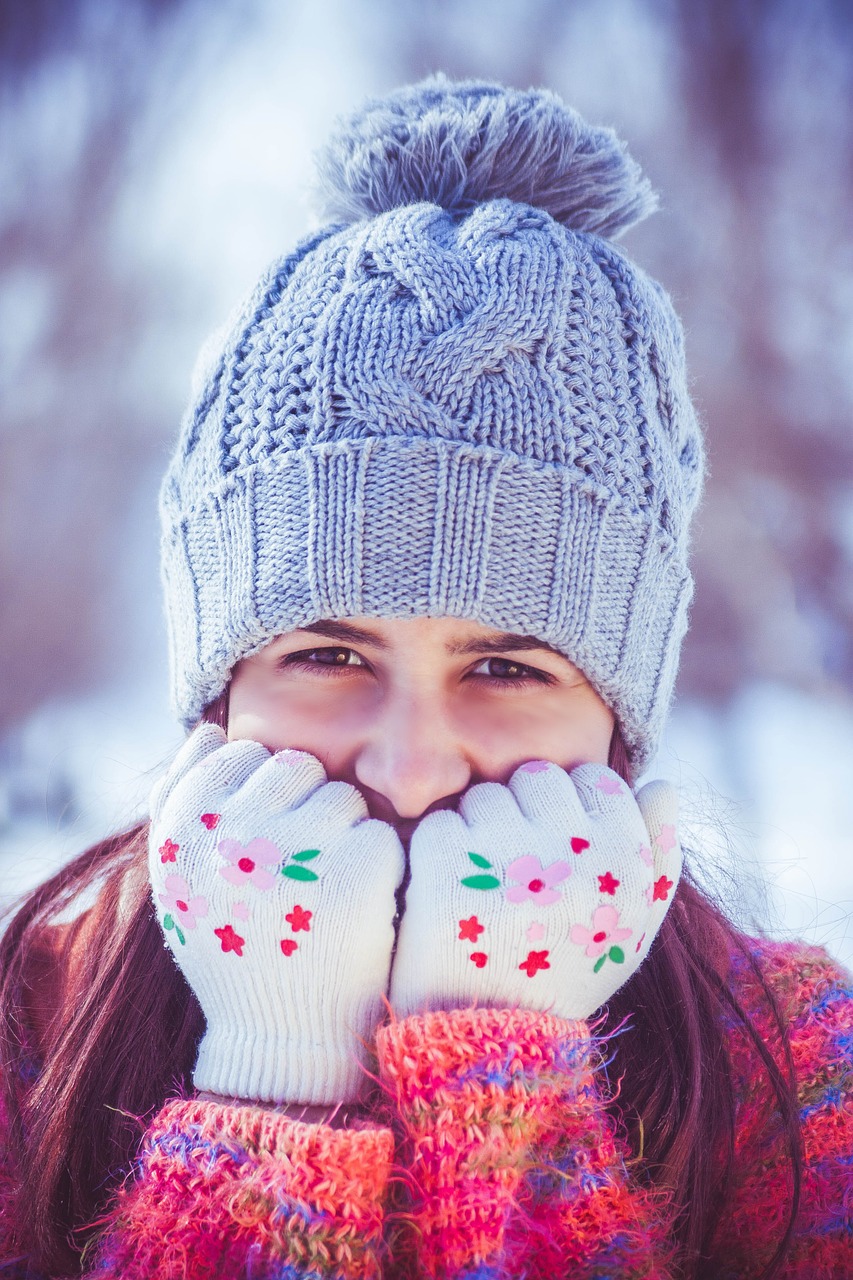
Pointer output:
x,y
127,1027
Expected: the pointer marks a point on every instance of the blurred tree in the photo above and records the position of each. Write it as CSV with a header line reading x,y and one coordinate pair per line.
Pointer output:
x,y
750,141
79,82
768,89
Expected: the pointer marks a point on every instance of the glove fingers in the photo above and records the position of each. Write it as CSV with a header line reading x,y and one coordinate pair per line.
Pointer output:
x,y
530,926
489,803
337,805
204,739
602,791
205,790
545,793
283,781
444,829
658,803
202,742
372,855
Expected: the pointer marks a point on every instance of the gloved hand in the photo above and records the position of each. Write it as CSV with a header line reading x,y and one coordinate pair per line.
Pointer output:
x,y
275,892
545,894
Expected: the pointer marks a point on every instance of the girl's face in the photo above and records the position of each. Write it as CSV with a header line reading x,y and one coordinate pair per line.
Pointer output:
x,y
413,711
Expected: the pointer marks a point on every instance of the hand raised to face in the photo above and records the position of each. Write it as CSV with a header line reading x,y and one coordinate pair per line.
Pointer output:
x,y
545,894
275,893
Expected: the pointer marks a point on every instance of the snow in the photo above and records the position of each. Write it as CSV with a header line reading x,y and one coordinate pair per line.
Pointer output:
x,y
769,807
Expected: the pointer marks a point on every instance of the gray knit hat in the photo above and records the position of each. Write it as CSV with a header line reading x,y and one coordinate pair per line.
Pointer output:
x,y
461,399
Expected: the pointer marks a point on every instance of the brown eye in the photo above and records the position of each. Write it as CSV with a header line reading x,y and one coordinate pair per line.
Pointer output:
x,y
325,657
503,667
332,657
504,672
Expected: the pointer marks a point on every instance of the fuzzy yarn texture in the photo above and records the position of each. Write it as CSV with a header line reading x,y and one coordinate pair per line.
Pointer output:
x,y
460,399
458,145
480,1092
270,1198
816,1000
494,1153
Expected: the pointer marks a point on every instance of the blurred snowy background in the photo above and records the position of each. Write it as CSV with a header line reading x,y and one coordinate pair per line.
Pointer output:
x,y
154,154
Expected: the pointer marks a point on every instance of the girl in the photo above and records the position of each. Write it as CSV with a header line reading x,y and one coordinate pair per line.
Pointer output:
x,y
435,997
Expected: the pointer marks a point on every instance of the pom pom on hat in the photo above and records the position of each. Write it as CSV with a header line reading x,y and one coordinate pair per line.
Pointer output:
x,y
463,402
458,144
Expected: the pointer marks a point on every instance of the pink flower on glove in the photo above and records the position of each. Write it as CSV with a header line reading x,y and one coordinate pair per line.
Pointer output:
x,y
248,863
602,934
536,882
178,899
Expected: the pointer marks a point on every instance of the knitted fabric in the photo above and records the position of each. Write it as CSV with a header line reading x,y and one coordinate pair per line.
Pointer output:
x,y
512,900
500,1067
504,1154
816,999
270,1198
529,1082
263,875
454,405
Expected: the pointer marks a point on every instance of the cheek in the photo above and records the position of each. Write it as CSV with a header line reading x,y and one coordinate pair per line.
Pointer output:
x,y
297,718
569,732
588,741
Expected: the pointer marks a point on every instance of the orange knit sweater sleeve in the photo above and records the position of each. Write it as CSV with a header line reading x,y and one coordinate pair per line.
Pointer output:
x,y
239,1193
505,1163
510,1164
815,998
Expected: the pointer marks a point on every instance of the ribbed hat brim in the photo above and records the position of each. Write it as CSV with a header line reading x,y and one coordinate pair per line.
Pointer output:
x,y
402,527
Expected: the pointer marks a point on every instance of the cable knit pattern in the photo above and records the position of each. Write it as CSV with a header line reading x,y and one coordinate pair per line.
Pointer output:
x,y
507,1163
474,411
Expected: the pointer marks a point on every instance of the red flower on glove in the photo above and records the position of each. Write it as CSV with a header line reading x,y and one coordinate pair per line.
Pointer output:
x,y
230,940
608,883
661,889
168,850
470,929
535,961
299,918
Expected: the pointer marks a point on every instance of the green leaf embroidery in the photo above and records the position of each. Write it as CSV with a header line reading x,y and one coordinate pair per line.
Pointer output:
x,y
168,923
482,882
299,873
599,962
306,855
478,860
617,955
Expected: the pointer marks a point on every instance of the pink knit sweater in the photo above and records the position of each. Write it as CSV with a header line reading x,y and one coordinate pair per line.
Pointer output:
x,y
502,1162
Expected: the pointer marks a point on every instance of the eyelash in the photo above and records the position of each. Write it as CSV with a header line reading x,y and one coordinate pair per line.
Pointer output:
x,y
302,661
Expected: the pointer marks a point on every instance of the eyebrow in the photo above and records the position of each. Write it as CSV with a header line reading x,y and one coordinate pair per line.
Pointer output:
x,y
500,641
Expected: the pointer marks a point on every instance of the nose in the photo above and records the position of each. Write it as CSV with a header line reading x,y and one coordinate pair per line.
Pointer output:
x,y
412,756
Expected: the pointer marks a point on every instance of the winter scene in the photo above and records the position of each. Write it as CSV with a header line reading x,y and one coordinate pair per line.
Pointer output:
x,y
157,153
426,719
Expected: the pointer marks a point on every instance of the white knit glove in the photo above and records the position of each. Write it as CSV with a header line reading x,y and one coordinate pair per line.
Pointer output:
x,y
545,894
275,892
